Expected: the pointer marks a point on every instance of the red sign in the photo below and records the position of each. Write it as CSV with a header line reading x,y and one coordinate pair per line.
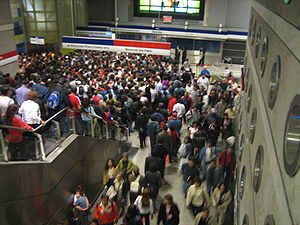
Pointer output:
x,y
167,19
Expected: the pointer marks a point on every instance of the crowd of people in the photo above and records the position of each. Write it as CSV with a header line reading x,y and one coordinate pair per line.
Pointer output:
x,y
185,116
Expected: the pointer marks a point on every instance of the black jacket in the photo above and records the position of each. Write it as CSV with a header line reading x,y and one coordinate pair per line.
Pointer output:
x,y
152,159
162,217
141,123
189,173
153,181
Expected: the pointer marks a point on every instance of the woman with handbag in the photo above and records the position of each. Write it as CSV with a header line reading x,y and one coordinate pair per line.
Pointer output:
x,y
136,182
118,192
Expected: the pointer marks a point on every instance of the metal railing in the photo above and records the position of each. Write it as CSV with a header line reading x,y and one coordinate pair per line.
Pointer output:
x,y
47,137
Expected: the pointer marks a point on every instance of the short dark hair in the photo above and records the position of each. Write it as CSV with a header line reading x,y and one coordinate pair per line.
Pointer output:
x,y
165,127
5,89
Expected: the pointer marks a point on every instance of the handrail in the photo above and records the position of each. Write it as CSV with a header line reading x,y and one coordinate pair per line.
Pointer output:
x,y
16,128
51,118
34,130
106,123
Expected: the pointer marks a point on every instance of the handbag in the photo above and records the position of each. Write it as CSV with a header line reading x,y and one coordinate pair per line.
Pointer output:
x,y
135,185
111,192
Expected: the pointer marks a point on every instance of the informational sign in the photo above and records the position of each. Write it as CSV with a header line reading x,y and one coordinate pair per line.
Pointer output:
x,y
37,40
167,19
141,47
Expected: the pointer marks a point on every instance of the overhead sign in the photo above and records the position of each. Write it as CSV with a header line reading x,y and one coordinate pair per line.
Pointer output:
x,y
37,40
167,19
141,47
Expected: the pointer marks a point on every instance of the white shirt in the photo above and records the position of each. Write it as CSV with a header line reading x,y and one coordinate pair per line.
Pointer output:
x,y
5,101
205,100
153,93
143,210
144,99
180,109
203,81
30,112
159,86
208,154
189,88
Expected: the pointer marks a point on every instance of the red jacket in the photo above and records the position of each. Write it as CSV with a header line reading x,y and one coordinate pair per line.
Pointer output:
x,y
15,136
228,160
108,214
172,102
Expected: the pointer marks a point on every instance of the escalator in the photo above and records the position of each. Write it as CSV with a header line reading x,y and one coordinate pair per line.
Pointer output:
x,y
40,192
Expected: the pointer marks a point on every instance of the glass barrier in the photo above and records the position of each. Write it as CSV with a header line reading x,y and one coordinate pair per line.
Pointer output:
x,y
18,144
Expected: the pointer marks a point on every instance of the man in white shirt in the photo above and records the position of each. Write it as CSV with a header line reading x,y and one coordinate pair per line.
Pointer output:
x,y
203,81
5,101
179,108
30,110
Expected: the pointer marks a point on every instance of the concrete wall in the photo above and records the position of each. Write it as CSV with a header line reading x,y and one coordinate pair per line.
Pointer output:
x,y
230,13
101,10
278,194
7,43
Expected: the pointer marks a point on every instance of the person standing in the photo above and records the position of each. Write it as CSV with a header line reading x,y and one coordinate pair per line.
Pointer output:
x,y
202,56
190,172
227,160
153,129
168,212
196,197
230,111
141,126
81,205
165,138
179,107
58,100
202,218
43,93
160,151
125,165
158,163
136,182
203,81
106,213
177,54
208,153
145,205
153,181
221,198
132,216
76,108
172,101
30,110
110,172
183,57
175,122
22,92
15,138
5,99
220,107
118,192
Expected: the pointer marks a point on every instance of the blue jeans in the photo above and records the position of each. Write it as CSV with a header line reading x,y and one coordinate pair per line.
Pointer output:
x,y
185,186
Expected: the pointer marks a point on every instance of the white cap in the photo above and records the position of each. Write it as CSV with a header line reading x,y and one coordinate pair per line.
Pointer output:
x,y
213,110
